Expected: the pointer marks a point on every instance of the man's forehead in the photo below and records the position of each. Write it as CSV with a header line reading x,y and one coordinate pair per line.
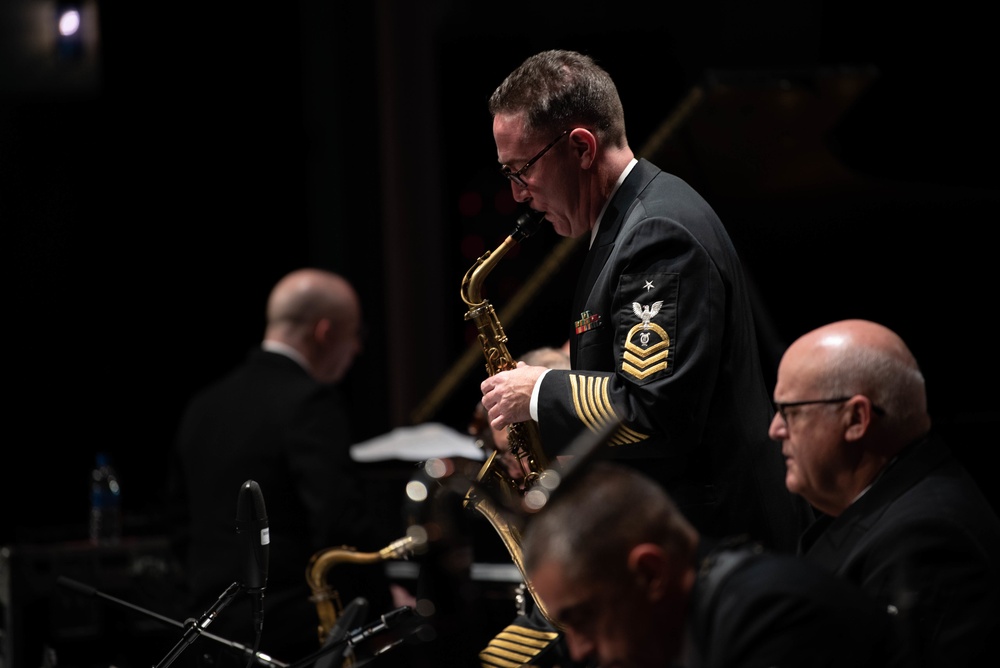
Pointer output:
x,y
510,139
798,370
565,601
549,580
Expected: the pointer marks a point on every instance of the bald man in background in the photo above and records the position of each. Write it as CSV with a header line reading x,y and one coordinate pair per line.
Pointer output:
x,y
900,515
279,419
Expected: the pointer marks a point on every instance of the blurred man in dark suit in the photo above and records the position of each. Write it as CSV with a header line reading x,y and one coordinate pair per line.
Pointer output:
x,y
280,420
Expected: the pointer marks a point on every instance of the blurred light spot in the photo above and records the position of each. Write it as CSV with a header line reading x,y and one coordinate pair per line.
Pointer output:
x,y
549,479
69,22
437,468
419,535
534,499
416,491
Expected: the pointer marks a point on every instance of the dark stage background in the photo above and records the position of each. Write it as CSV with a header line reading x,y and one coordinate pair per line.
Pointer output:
x,y
155,186
153,189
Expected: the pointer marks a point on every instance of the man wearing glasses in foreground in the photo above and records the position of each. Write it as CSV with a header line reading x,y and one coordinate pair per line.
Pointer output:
x,y
900,516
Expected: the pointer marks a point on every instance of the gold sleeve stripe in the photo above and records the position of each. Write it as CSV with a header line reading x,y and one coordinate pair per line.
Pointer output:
x,y
626,435
515,646
513,636
602,405
592,404
589,410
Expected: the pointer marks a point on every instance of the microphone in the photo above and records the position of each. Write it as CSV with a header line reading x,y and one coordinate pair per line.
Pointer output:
x,y
341,644
353,613
251,522
389,620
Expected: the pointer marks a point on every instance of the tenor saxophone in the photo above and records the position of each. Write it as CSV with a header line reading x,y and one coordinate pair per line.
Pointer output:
x,y
326,598
522,437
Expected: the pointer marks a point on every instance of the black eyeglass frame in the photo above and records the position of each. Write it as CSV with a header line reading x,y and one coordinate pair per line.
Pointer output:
x,y
781,406
516,176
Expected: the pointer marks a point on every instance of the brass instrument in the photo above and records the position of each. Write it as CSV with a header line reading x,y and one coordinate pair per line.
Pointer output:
x,y
327,599
522,437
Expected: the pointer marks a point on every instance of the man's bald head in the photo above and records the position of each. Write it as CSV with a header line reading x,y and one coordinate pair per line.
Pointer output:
x,y
318,313
851,397
862,357
310,294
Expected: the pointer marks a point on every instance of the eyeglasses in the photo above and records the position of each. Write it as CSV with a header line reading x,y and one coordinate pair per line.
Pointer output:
x,y
516,176
782,407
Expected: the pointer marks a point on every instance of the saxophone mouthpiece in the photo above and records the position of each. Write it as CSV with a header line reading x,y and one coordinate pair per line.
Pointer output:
x,y
527,224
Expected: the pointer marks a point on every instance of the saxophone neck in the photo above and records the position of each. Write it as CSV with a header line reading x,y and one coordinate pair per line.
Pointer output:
x,y
472,284
401,548
326,598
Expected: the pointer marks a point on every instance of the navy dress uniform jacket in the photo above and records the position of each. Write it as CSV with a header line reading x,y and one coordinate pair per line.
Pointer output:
x,y
665,345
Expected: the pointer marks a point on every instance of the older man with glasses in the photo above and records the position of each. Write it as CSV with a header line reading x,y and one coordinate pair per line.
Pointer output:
x,y
900,516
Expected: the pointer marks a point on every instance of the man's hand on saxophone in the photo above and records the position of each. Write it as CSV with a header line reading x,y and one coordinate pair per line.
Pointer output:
x,y
490,439
507,394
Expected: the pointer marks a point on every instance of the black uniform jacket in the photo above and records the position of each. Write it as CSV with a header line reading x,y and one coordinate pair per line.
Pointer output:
x,y
664,343
924,540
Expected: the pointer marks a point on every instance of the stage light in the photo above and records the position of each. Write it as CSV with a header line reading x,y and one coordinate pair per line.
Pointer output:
x,y
69,22
69,33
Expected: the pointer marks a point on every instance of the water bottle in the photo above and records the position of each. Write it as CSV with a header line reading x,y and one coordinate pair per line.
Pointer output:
x,y
105,503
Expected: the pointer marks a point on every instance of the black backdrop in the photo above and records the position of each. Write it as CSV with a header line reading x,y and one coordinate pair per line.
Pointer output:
x,y
147,213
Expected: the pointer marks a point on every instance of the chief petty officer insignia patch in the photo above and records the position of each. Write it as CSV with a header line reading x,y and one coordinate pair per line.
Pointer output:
x,y
647,344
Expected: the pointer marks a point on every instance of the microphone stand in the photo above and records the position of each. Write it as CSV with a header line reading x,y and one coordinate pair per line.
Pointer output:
x,y
389,620
192,628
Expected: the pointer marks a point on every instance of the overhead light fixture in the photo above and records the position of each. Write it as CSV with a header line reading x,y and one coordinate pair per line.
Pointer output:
x,y
69,30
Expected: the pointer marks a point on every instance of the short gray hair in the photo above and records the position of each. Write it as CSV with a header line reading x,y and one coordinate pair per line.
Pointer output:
x,y
556,90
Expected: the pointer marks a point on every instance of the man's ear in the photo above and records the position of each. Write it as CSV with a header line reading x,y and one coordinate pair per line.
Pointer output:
x,y
859,417
584,143
321,330
649,565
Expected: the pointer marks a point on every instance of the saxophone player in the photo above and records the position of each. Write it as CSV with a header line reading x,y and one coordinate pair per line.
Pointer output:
x,y
661,331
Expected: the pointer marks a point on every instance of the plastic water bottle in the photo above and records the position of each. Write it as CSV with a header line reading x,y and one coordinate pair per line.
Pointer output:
x,y
105,503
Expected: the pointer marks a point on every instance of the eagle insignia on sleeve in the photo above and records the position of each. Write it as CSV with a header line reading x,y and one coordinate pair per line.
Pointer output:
x,y
647,344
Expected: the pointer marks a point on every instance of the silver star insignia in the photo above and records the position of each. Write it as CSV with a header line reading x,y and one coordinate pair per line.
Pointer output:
x,y
648,286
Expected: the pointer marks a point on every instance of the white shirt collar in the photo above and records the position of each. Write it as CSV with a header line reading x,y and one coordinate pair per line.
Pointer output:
x,y
875,479
284,349
628,168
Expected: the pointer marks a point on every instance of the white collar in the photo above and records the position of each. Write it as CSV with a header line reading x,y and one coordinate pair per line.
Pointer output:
x,y
628,168
280,348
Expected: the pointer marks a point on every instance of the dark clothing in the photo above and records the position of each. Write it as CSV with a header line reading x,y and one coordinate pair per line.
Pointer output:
x,y
756,610
750,608
271,422
926,541
666,344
